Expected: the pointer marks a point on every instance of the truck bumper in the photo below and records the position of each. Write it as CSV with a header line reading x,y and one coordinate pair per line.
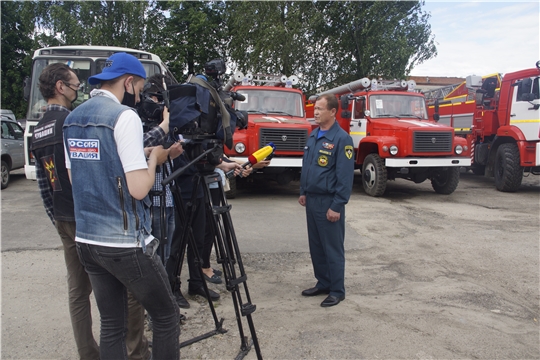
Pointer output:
x,y
427,162
30,172
276,162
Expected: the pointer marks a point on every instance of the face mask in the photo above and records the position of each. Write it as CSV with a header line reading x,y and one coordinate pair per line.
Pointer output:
x,y
72,101
129,99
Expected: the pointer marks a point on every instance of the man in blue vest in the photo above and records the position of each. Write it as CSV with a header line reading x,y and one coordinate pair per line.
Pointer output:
x,y
325,188
111,175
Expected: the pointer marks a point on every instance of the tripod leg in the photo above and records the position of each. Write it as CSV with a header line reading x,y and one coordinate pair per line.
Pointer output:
x,y
227,246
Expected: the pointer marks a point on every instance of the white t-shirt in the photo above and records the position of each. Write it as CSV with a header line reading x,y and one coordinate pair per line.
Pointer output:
x,y
128,135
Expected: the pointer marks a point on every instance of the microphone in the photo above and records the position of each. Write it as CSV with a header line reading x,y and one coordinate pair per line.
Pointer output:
x,y
257,156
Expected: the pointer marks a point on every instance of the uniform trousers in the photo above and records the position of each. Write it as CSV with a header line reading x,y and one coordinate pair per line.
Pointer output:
x,y
326,244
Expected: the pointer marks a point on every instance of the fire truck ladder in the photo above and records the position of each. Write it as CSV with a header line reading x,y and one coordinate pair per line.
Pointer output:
x,y
439,93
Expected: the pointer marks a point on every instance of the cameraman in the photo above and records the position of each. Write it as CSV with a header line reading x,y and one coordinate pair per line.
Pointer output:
x,y
186,182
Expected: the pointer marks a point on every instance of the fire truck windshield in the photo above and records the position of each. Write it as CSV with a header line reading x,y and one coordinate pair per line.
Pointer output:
x,y
84,68
397,105
271,102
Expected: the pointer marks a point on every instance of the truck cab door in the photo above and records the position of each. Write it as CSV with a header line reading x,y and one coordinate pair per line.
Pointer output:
x,y
358,122
524,114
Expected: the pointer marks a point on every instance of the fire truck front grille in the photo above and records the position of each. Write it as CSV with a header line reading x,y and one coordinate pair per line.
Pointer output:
x,y
285,139
428,141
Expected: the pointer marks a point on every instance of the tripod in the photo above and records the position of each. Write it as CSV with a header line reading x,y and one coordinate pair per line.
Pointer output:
x,y
227,251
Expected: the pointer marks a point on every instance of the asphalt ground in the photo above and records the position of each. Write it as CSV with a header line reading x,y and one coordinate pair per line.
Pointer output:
x,y
428,276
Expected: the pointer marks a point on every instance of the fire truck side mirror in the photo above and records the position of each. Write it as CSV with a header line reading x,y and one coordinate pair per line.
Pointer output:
x,y
26,89
436,116
345,113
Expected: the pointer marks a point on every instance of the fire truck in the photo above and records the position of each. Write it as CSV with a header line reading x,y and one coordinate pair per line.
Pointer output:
x,y
394,138
499,118
85,61
275,114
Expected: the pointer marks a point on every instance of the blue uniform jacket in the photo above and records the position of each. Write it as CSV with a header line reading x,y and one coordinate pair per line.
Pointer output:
x,y
328,166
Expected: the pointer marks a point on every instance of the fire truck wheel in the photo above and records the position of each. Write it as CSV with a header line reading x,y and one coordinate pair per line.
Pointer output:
x,y
231,194
374,175
446,180
507,171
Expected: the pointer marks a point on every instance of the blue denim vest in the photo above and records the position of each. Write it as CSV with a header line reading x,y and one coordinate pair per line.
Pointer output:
x,y
104,209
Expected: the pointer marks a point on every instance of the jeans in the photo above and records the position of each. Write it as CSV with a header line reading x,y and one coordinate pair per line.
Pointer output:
x,y
114,271
169,229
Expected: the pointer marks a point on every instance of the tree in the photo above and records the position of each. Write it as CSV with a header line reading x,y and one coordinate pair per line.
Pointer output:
x,y
17,30
271,37
329,43
193,35
374,39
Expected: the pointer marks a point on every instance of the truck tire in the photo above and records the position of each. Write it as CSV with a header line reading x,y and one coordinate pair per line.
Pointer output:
x,y
374,175
507,171
231,194
446,180
5,174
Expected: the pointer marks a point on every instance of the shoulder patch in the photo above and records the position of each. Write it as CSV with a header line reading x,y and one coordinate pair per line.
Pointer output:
x,y
86,149
349,151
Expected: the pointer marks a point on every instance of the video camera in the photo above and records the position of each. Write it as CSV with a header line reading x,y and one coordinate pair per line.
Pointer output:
x,y
201,111
150,108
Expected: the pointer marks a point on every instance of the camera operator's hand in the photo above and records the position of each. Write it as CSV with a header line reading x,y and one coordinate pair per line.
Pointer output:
x,y
228,166
261,164
165,123
176,150
157,155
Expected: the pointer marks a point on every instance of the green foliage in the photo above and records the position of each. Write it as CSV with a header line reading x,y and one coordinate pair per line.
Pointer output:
x,y
324,43
193,35
17,43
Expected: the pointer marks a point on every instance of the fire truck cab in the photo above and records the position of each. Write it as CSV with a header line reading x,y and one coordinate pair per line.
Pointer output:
x,y
275,114
394,138
499,117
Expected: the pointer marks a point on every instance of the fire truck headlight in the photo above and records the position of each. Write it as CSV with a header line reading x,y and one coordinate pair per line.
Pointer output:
x,y
240,147
458,149
393,149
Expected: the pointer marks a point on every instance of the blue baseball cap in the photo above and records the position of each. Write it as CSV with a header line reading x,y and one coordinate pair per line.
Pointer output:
x,y
117,65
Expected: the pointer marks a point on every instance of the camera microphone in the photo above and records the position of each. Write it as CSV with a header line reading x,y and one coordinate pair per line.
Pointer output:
x,y
237,96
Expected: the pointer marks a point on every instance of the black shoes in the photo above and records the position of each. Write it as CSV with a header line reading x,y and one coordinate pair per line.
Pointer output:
x,y
217,272
181,300
332,300
315,291
214,279
214,296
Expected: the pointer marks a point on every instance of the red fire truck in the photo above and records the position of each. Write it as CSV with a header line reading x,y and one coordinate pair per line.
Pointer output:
x,y
275,114
394,138
499,117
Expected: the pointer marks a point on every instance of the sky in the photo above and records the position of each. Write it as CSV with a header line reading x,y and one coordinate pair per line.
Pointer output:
x,y
481,38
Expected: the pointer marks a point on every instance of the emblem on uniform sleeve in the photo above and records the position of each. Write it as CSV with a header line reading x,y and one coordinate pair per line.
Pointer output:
x,y
348,151
327,145
322,160
85,149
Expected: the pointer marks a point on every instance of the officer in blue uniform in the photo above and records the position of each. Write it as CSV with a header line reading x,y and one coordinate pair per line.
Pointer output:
x,y
325,188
